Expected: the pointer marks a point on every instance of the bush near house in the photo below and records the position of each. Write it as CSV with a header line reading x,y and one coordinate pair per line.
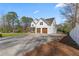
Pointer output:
x,y
28,29
65,28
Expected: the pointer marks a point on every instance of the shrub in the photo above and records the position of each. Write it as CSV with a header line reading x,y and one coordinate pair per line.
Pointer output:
x,y
0,35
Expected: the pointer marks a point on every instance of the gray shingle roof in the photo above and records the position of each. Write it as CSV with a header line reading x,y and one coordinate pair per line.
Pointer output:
x,y
48,21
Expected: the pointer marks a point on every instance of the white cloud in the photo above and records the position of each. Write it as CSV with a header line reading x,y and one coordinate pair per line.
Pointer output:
x,y
64,19
60,5
36,11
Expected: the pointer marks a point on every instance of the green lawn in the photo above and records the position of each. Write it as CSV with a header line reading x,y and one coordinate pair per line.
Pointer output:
x,y
12,34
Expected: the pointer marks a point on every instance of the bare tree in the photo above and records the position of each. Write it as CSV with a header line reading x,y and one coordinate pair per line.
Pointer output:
x,y
70,12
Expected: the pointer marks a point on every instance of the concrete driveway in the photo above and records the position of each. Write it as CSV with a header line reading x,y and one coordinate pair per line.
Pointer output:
x,y
12,46
18,45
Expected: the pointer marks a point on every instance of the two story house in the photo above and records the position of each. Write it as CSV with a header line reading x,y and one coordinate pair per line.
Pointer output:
x,y
44,26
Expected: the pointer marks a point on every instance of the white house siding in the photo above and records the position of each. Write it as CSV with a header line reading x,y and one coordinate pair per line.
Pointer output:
x,y
52,29
33,24
41,26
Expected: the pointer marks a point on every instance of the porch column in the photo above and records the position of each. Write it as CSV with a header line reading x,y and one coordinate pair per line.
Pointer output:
x,y
41,30
35,30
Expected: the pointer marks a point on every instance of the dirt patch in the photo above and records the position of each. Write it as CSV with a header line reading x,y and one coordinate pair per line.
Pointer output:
x,y
53,49
69,41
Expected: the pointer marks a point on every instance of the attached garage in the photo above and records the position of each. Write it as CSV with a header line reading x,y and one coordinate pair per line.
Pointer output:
x,y
44,30
38,30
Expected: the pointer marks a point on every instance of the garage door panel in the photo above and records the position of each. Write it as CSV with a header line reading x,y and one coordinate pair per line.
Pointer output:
x,y
38,30
44,30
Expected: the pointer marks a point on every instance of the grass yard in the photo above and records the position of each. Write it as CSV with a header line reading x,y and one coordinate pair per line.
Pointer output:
x,y
12,34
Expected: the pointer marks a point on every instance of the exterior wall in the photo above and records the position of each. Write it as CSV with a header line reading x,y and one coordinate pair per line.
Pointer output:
x,y
33,24
32,27
52,29
41,26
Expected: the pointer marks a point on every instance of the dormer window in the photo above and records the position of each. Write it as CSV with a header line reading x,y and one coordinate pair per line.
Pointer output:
x,y
41,23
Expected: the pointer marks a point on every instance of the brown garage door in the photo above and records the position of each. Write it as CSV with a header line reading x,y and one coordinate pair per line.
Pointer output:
x,y
38,30
44,30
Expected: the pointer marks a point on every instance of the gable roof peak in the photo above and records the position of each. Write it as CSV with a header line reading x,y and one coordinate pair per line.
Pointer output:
x,y
48,21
